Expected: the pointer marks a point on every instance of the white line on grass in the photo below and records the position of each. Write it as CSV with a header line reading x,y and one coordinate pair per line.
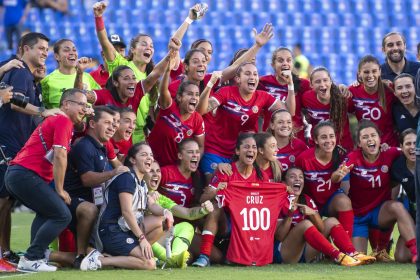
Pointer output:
x,y
14,275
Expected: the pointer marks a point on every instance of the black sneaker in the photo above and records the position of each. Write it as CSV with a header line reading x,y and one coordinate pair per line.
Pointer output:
x,y
11,257
78,260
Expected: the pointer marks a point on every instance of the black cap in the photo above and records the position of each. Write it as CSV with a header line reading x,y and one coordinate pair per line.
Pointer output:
x,y
116,40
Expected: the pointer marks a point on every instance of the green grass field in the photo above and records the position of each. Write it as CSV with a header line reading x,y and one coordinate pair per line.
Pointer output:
x,y
20,239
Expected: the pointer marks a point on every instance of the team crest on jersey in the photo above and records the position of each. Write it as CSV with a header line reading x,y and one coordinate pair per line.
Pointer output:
x,y
255,109
292,158
129,240
213,165
384,169
189,132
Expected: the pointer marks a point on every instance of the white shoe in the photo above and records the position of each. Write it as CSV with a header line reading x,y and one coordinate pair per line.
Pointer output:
x,y
26,265
91,261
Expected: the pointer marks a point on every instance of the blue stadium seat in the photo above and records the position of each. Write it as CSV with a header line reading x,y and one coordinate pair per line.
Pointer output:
x,y
360,6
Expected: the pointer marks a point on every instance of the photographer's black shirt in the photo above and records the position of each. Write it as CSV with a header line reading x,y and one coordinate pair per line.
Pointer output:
x,y
16,127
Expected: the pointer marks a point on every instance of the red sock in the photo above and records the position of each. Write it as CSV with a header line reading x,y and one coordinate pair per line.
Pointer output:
x,y
346,218
379,240
412,246
320,243
341,239
206,243
66,242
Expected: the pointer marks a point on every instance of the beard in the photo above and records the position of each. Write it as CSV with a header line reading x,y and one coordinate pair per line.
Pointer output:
x,y
394,59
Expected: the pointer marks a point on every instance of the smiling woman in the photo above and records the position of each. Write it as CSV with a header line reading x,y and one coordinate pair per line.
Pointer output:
x,y
62,78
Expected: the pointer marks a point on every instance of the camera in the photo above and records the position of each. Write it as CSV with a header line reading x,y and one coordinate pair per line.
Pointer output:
x,y
17,99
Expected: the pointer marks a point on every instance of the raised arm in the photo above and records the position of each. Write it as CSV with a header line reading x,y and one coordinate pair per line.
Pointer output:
x,y
165,99
205,104
159,70
260,40
108,49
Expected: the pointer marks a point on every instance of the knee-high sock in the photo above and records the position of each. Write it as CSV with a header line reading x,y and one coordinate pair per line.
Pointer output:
x,y
346,218
206,242
341,239
412,246
159,251
183,235
379,239
320,243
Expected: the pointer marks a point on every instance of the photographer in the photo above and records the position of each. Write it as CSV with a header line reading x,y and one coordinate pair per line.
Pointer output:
x,y
17,120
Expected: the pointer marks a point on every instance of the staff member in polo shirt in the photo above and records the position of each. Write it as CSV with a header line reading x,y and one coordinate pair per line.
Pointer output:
x,y
394,47
87,170
101,74
17,123
42,159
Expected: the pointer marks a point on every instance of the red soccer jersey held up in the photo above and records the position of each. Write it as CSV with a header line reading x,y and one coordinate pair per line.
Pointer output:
x,y
254,209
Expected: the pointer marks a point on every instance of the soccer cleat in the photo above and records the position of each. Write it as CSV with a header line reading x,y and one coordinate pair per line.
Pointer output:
x,y
91,261
6,267
363,258
11,257
202,261
26,265
382,256
179,261
346,260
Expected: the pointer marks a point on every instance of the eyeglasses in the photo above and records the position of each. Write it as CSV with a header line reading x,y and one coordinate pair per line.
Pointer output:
x,y
81,104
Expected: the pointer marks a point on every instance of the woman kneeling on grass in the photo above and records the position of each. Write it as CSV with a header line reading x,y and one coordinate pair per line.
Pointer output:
x,y
124,230
302,233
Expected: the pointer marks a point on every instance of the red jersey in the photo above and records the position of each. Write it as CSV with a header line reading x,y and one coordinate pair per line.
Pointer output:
x,y
121,147
366,106
270,84
173,87
370,183
170,130
56,131
234,115
288,154
100,75
176,187
254,208
268,174
297,214
177,74
318,183
218,177
104,97
316,112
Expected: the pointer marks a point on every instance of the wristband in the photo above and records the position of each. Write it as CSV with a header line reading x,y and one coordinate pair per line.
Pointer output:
x,y
188,20
141,238
291,87
99,23
210,84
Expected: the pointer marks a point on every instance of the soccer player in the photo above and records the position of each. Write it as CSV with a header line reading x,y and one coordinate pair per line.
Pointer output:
x,y
372,99
42,159
288,146
241,105
177,120
121,141
278,84
242,170
394,48
302,233
181,181
183,231
325,102
320,164
405,111
370,193
62,78
124,230
267,157
402,170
